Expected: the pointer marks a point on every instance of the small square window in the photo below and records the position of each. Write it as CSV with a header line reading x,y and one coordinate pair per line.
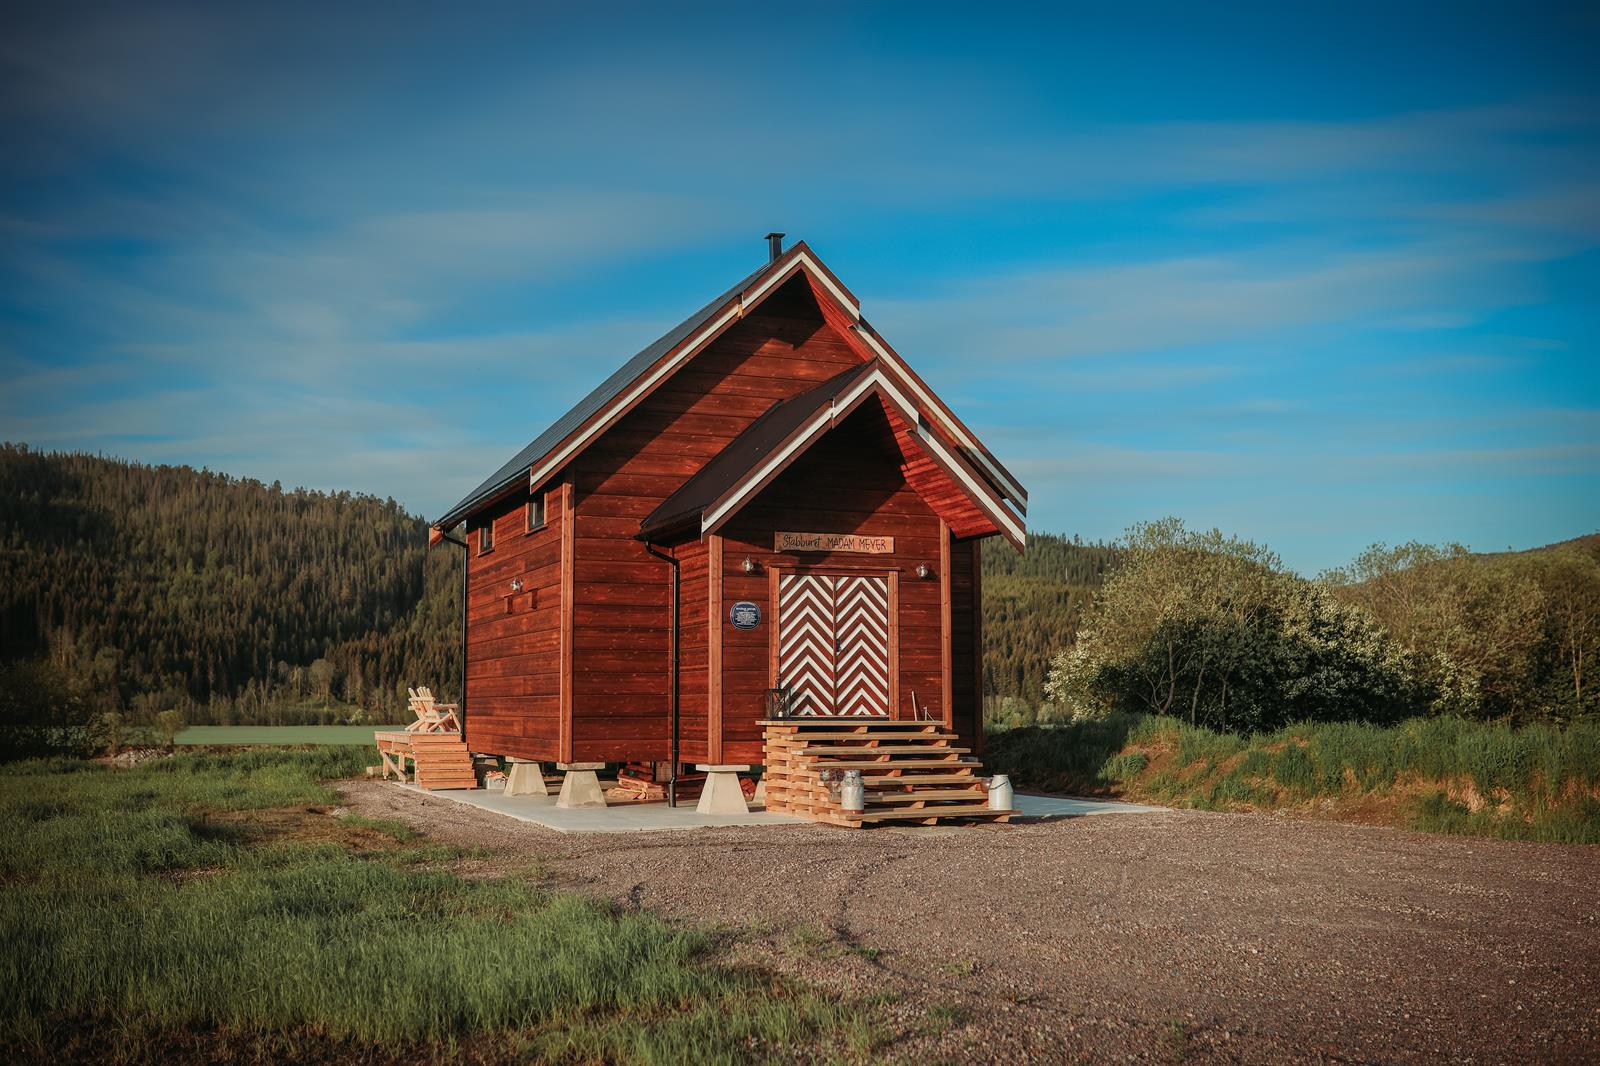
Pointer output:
x,y
536,513
486,539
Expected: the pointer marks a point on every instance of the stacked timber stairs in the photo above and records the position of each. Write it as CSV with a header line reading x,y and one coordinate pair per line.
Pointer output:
x,y
911,771
438,760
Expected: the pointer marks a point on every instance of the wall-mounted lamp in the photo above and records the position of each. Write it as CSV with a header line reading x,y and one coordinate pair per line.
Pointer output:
x,y
749,565
516,584
923,571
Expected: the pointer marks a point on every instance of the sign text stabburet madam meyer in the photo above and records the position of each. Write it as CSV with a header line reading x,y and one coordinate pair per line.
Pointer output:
x,y
832,542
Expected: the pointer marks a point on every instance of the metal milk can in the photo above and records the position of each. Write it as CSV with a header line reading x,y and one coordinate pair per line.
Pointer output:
x,y
852,793
1000,794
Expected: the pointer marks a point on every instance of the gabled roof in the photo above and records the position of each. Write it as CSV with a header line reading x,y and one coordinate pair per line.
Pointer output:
x,y
596,412
514,469
787,430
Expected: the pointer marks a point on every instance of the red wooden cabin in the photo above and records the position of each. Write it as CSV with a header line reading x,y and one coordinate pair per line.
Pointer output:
x,y
823,510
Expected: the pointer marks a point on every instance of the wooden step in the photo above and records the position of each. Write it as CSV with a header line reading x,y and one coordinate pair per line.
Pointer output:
x,y
887,749
876,780
942,795
802,724
808,736
975,810
906,764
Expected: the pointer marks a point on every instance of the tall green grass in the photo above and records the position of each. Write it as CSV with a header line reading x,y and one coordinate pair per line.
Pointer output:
x,y
130,906
1538,780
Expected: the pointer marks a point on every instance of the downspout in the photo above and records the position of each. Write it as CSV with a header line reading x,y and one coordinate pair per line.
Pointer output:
x,y
672,779
466,558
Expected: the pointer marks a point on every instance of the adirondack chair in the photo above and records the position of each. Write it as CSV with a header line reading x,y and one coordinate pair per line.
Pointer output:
x,y
433,744
432,716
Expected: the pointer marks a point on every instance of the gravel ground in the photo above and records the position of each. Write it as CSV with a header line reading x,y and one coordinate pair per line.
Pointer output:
x,y
1153,937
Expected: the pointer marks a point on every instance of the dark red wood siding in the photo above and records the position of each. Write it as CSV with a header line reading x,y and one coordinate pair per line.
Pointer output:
x,y
849,482
620,664
512,638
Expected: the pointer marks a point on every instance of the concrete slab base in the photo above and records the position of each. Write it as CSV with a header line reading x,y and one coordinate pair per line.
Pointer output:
x,y
526,779
621,818
1031,806
580,788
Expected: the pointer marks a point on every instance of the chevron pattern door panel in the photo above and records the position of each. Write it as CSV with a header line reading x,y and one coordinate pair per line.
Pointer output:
x,y
833,644
806,650
861,631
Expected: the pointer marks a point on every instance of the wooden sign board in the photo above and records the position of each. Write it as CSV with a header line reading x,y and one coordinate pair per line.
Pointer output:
x,y
833,542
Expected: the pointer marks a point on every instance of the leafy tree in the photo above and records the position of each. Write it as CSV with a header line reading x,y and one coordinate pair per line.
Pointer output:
x,y
1214,630
171,724
1473,624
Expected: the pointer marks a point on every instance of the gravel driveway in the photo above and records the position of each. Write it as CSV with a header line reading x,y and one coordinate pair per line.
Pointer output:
x,y
1157,937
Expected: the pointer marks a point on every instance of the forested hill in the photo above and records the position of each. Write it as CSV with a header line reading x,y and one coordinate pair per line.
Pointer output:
x,y
168,586
1032,602
162,586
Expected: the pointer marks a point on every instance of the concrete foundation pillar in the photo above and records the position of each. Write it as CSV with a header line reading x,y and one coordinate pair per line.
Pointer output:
x,y
760,798
525,779
722,794
580,785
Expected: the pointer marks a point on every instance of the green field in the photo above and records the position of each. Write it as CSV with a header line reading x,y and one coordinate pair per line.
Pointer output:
x,y
218,906
278,735
1536,782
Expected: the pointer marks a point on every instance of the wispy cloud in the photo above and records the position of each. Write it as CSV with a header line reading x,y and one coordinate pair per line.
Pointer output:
x,y
382,253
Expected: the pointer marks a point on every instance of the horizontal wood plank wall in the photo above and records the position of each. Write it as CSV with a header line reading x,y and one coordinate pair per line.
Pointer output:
x,y
513,648
620,648
852,481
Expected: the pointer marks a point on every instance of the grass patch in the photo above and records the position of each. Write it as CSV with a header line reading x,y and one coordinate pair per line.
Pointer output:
x,y
172,898
389,827
1536,782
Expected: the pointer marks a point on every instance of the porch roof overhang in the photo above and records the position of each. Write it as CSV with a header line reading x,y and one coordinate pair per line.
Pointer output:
x,y
754,459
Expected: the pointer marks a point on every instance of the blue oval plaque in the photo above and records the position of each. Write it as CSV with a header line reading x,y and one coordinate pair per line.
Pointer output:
x,y
745,615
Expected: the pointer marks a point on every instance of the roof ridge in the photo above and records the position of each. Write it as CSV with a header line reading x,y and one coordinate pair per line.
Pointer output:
x,y
596,399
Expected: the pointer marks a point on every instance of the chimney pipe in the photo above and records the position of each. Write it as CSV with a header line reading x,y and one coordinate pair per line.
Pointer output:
x,y
774,246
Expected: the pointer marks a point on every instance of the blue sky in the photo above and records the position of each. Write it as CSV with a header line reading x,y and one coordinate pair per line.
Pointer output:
x,y
1319,280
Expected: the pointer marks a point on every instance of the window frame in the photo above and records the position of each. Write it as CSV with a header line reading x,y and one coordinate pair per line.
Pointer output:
x,y
486,538
528,524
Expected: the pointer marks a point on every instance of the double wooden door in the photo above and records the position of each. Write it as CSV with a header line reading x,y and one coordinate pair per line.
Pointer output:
x,y
834,644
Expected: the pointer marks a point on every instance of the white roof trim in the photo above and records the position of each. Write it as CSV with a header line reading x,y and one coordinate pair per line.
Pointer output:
x,y
823,418
1009,485
554,462
537,474
804,260
815,270
809,430
1001,515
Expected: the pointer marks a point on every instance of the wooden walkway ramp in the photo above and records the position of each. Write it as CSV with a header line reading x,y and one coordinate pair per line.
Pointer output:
x,y
439,757
438,760
911,770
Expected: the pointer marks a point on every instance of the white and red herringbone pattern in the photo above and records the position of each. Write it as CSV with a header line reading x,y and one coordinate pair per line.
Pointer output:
x,y
861,628
833,644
